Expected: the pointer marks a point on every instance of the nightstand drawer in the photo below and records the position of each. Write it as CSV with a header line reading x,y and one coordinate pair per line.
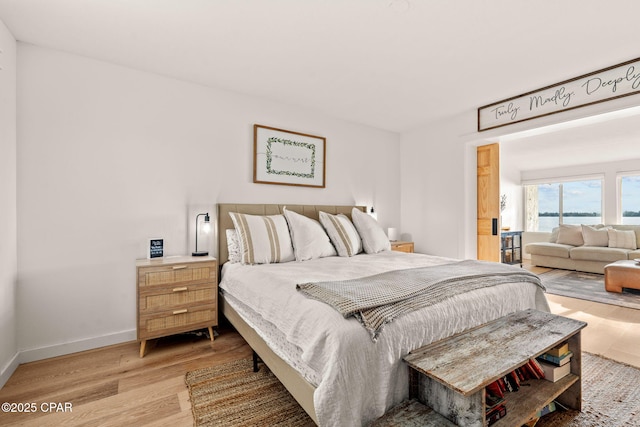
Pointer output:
x,y
175,296
179,320
402,246
177,274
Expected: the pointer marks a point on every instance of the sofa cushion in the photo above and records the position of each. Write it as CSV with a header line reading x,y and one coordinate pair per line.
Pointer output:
x,y
549,249
570,235
594,236
624,239
634,254
594,253
635,228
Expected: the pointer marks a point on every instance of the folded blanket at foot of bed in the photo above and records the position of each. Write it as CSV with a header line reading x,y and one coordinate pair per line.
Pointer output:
x,y
379,299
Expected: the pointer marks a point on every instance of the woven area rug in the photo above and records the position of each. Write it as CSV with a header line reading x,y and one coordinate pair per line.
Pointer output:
x,y
610,396
233,395
587,286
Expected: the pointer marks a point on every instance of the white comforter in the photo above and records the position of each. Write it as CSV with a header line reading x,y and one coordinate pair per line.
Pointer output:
x,y
359,380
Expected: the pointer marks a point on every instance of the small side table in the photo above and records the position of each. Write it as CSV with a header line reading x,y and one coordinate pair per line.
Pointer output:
x,y
511,247
398,246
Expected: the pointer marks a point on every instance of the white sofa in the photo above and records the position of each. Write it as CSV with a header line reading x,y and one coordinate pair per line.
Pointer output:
x,y
586,248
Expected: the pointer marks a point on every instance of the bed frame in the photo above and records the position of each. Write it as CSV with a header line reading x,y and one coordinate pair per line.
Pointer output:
x,y
299,388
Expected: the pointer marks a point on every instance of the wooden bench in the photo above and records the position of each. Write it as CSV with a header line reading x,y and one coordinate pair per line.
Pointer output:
x,y
450,375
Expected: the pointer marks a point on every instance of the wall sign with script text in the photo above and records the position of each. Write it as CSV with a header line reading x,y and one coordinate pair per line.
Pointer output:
x,y
602,85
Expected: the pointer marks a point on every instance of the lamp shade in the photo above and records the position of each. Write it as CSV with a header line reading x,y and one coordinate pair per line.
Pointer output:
x,y
393,234
206,227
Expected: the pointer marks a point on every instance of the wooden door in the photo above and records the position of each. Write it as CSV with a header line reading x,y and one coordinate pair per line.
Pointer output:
x,y
488,161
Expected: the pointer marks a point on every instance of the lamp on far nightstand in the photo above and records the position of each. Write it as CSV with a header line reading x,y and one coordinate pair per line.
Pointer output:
x,y
206,227
393,234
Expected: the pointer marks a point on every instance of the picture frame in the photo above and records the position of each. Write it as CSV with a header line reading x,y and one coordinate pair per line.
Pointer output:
x,y
285,157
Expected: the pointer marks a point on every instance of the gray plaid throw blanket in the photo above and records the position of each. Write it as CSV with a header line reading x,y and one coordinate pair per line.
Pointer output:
x,y
377,300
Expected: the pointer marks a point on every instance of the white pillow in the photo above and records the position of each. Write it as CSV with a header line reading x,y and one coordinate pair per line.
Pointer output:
x,y
623,239
308,237
373,238
233,246
342,233
263,239
593,236
570,235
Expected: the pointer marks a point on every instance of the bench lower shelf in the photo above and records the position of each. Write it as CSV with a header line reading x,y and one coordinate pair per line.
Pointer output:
x,y
525,403
450,375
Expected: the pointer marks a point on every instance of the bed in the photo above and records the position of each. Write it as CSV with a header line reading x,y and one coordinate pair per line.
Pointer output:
x,y
338,374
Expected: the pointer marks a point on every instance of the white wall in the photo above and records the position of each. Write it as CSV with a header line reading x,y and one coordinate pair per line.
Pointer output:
x,y
8,203
432,189
109,156
510,185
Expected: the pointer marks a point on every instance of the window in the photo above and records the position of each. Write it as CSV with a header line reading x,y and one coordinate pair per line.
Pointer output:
x,y
549,204
630,199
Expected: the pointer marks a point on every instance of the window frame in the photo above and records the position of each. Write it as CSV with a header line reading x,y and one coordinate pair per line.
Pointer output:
x,y
565,179
619,176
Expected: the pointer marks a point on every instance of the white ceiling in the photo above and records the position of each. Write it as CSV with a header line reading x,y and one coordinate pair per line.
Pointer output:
x,y
392,64
610,137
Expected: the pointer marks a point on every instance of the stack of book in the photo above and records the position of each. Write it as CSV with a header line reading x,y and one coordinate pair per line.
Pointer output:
x,y
551,365
495,409
544,411
495,392
555,362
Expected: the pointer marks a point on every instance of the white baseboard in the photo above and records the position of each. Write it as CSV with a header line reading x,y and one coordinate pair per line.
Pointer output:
x,y
32,355
25,356
9,369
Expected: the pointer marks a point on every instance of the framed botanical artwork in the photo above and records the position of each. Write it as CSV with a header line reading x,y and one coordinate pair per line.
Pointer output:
x,y
288,158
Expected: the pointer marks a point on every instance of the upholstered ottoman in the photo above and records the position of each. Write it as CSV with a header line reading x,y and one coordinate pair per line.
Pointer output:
x,y
621,274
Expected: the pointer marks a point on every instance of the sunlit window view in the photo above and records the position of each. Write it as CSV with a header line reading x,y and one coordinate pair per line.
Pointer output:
x,y
630,199
573,202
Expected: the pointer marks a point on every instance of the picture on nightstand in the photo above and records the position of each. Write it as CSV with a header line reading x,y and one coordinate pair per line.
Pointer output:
x,y
155,248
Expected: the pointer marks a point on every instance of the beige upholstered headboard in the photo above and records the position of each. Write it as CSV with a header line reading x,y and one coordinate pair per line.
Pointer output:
x,y
224,219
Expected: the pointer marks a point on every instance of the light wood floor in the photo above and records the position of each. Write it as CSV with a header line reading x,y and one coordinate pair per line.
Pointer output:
x,y
613,331
112,386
